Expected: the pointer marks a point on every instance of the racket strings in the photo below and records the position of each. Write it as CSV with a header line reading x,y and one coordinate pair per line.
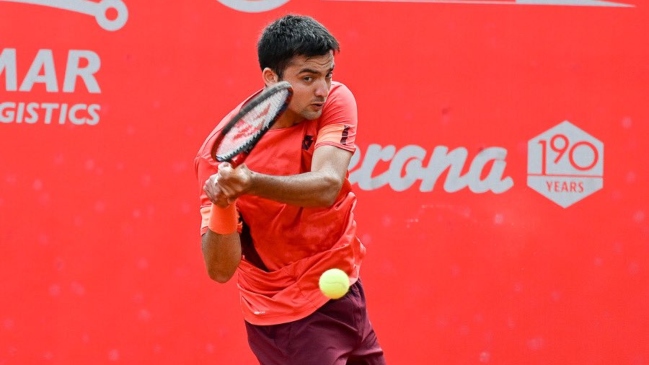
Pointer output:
x,y
251,124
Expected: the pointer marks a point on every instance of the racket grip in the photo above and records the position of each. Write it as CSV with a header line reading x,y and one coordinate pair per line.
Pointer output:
x,y
238,159
223,220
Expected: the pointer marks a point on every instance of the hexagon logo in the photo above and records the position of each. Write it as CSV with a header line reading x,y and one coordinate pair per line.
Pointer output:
x,y
565,164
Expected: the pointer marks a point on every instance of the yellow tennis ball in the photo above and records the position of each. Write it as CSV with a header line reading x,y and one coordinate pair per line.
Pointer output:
x,y
334,283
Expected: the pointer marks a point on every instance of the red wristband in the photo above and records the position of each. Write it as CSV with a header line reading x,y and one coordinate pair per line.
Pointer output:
x,y
223,220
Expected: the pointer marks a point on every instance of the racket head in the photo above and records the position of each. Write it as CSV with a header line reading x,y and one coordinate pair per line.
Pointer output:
x,y
255,118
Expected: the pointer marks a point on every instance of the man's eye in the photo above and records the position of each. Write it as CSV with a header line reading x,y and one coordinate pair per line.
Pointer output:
x,y
307,78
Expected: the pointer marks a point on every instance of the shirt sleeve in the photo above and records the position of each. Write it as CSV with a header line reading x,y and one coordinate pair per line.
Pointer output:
x,y
339,120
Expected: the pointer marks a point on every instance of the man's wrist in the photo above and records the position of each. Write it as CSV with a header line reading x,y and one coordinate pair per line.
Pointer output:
x,y
223,220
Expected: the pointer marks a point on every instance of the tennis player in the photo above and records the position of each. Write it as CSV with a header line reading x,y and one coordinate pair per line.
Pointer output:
x,y
287,214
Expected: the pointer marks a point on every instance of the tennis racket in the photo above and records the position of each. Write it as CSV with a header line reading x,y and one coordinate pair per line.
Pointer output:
x,y
245,129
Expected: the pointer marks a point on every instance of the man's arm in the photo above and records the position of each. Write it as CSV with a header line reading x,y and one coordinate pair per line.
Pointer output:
x,y
221,252
317,188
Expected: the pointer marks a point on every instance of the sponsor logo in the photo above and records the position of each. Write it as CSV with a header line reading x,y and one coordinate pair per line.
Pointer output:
x,y
80,70
402,168
253,6
508,2
565,164
110,15
78,76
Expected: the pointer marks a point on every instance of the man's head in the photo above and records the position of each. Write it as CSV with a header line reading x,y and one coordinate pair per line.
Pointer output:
x,y
293,35
301,51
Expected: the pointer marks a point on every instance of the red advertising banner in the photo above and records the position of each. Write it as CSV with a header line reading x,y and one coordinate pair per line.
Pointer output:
x,y
501,174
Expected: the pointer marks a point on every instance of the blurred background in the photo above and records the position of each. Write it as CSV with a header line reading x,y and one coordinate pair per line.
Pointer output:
x,y
501,174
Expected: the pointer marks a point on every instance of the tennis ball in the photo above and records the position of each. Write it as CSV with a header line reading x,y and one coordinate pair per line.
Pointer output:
x,y
334,283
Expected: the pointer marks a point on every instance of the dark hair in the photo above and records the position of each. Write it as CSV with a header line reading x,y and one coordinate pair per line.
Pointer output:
x,y
293,35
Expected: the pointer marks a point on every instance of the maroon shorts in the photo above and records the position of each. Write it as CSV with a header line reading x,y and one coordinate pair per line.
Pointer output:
x,y
339,333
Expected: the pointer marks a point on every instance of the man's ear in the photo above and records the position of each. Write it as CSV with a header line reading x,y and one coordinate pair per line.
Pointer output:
x,y
269,76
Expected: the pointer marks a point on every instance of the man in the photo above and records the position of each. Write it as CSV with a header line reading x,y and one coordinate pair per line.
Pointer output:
x,y
286,215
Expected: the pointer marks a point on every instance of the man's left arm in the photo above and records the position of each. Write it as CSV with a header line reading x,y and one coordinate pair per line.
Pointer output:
x,y
316,188
319,187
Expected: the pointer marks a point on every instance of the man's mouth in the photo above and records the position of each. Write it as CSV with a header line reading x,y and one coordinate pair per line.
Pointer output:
x,y
318,104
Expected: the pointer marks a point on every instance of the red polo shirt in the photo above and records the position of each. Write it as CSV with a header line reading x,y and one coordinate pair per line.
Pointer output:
x,y
296,244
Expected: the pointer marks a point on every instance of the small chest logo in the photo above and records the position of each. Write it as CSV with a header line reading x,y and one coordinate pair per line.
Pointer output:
x,y
307,142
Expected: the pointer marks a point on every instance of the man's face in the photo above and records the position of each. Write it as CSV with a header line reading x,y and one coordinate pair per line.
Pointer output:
x,y
311,81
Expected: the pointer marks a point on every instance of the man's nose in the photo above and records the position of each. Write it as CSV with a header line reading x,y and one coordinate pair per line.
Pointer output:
x,y
322,88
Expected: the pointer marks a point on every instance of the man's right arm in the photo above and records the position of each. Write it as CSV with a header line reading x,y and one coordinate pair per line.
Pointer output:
x,y
222,254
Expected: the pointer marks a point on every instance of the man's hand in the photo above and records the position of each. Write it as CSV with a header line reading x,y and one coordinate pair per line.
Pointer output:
x,y
228,184
234,182
214,192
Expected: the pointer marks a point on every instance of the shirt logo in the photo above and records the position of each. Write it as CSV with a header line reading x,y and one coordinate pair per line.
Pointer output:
x,y
345,134
307,142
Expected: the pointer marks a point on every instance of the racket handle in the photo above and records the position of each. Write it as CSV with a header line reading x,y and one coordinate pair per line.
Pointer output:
x,y
238,159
